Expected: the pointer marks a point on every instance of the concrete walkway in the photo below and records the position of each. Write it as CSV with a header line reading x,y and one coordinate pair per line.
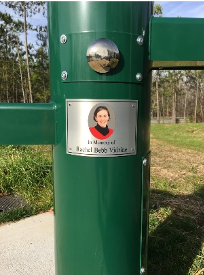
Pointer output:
x,y
27,246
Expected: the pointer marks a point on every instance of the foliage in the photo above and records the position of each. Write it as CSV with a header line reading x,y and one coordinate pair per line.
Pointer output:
x,y
24,68
181,94
27,170
158,10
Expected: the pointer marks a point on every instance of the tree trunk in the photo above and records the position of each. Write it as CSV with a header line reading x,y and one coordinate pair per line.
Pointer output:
x,y
201,103
185,104
16,94
13,84
174,106
157,92
26,48
163,106
21,75
196,98
167,108
6,80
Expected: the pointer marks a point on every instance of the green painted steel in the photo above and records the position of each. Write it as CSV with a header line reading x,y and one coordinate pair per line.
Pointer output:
x,y
176,39
98,200
128,46
178,65
145,207
27,123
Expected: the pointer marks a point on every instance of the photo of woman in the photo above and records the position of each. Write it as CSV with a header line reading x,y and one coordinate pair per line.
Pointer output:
x,y
101,130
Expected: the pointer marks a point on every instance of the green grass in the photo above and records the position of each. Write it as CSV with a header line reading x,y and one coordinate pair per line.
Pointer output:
x,y
176,233
187,136
26,170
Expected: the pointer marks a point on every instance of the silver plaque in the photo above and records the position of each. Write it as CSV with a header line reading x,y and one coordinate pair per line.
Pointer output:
x,y
101,128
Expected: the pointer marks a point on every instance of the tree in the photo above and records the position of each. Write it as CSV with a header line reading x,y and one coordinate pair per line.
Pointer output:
x,y
157,94
194,82
5,38
20,67
41,66
24,9
158,10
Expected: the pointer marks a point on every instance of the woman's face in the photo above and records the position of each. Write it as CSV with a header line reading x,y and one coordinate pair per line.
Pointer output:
x,y
102,118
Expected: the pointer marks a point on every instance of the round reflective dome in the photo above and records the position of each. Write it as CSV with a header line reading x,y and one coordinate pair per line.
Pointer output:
x,y
102,55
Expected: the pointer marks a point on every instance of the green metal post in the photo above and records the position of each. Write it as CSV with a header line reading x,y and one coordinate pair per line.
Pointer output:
x,y
101,203
101,54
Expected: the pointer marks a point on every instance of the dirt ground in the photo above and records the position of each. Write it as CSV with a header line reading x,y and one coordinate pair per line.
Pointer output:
x,y
176,164
178,172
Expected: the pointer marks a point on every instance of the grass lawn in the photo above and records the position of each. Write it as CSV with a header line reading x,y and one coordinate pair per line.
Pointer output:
x,y
176,235
26,171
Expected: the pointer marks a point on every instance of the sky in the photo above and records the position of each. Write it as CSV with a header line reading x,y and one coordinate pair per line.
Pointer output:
x,y
182,8
170,9
35,20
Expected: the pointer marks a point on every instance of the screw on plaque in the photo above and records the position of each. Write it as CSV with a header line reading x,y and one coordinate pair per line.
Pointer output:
x,y
145,162
63,39
142,271
140,40
64,75
139,77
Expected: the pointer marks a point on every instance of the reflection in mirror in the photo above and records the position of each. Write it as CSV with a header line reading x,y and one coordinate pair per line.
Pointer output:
x,y
102,55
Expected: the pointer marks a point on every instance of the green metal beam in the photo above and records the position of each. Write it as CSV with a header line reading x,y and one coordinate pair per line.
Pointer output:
x,y
27,123
176,39
179,65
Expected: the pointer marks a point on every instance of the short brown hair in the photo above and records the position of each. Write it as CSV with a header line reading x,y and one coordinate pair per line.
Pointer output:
x,y
100,108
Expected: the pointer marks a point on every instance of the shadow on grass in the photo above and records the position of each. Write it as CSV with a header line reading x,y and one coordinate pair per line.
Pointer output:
x,y
175,243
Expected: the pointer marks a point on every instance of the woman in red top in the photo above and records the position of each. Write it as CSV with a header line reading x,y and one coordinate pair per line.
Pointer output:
x,y
101,130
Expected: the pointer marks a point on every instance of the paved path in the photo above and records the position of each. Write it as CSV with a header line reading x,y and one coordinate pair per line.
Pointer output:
x,y
27,246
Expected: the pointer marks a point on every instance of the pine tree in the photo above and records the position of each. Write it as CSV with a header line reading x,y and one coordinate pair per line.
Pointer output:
x,y
25,9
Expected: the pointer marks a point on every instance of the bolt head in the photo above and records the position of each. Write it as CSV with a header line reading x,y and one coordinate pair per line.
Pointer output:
x,y
64,75
139,77
145,162
142,270
140,40
63,39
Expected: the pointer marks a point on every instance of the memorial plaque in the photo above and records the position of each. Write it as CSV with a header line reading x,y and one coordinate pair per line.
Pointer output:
x,y
101,128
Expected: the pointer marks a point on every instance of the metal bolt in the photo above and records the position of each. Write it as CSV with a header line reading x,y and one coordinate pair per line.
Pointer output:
x,y
142,270
145,162
133,105
63,39
139,77
64,75
132,149
140,40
